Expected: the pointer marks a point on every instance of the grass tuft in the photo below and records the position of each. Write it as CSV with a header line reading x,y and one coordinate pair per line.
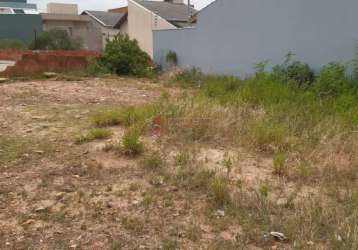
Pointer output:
x,y
94,134
131,144
106,118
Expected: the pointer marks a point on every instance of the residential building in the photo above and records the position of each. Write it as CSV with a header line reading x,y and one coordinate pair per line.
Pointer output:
x,y
123,10
146,16
19,20
65,17
231,36
106,25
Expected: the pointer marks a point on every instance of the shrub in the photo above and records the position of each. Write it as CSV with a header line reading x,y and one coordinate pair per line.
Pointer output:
x,y
172,58
12,44
297,72
131,143
55,39
106,118
123,56
332,80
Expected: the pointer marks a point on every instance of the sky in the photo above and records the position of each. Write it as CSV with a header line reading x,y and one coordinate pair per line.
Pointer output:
x,y
102,4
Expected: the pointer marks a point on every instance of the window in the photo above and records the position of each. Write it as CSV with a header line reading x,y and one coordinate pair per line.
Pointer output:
x,y
19,11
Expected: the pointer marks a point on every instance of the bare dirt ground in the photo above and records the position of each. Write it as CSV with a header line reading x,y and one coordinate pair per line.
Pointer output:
x,y
55,194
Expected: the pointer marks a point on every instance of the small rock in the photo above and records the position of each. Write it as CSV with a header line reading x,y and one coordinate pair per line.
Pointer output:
x,y
40,209
49,74
135,202
310,243
2,80
278,236
40,152
28,222
220,213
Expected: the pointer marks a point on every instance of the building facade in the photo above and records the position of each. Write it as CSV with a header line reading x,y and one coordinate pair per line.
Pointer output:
x,y
146,16
65,17
106,25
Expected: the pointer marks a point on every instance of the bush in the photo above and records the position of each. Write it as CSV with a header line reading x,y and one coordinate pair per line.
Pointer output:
x,y
12,44
297,72
332,80
123,56
55,39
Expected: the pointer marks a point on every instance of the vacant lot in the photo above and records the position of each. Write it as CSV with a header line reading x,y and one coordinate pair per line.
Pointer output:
x,y
131,164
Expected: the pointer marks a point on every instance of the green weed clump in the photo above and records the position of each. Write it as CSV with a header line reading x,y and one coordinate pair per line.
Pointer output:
x,y
219,192
279,164
106,118
94,134
139,116
131,144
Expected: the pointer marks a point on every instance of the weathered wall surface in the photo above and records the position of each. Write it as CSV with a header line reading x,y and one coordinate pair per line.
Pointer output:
x,y
20,26
232,35
31,63
77,26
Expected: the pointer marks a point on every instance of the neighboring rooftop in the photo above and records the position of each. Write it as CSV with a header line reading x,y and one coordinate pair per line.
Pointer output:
x,y
18,4
175,13
107,19
64,17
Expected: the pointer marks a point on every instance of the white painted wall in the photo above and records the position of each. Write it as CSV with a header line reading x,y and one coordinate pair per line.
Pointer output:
x,y
141,23
232,35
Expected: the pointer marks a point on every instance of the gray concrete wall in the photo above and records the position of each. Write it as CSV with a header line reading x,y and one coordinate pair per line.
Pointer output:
x,y
232,35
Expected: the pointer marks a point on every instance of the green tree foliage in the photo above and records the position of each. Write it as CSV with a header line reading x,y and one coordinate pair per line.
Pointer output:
x,y
55,39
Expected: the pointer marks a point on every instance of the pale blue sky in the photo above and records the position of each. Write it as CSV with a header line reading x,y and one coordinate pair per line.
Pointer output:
x,y
102,4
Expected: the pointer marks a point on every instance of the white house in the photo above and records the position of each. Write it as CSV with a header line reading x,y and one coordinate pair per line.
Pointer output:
x,y
145,16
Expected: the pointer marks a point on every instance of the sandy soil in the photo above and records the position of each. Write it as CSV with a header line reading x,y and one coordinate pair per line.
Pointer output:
x,y
55,194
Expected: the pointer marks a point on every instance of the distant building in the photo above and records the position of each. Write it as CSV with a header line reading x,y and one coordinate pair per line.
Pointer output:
x,y
65,17
146,16
106,25
19,20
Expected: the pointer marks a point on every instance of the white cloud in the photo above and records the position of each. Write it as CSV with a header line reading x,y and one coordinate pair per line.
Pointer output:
x,y
102,4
